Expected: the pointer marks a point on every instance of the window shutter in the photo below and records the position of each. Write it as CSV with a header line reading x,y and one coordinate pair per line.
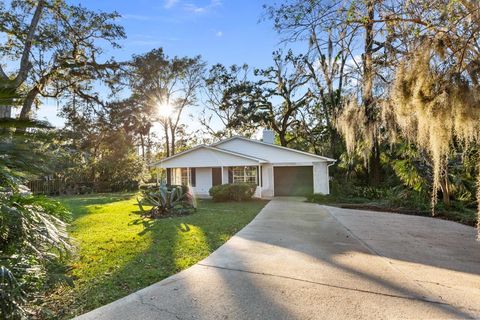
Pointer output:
x,y
258,176
193,177
169,177
230,175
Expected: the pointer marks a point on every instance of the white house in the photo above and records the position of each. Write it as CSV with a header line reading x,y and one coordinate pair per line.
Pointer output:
x,y
277,170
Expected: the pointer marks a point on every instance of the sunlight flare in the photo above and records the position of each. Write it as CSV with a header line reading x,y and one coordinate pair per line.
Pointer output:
x,y
165,110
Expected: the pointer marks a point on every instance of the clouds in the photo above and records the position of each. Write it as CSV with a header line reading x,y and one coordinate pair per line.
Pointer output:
x,y
192,7
170,3
219,33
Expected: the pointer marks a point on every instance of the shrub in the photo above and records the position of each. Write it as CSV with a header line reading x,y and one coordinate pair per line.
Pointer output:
x,y
148,186
184,189
233,192
33,239
319,198
166,201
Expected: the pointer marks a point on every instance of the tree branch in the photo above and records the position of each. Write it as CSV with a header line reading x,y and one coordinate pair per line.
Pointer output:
x,y
24,61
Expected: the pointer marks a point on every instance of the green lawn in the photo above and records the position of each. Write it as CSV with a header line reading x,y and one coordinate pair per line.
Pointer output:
x,y
119,252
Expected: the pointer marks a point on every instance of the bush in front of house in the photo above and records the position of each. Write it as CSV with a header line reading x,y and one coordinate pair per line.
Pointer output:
x,y
166,201
233,192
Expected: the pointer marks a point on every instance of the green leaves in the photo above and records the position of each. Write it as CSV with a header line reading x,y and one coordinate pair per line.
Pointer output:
x,y
33,237
166,201
11,295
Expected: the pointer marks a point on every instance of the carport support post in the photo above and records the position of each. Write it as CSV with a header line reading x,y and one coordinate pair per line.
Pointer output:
x,y
258,180
258,175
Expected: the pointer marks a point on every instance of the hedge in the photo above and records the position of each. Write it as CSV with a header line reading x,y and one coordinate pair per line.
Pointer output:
x,y
232,192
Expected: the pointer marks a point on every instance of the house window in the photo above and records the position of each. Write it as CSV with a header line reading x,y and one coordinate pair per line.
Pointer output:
x,y
244,175
188,177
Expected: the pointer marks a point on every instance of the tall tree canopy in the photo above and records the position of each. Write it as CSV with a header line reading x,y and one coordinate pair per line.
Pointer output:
x,y
59,49
158,81
275,99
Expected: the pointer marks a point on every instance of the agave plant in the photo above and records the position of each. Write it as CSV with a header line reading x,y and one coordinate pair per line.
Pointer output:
x,y
166,202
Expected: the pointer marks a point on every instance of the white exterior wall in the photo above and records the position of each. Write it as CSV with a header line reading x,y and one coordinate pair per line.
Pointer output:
x,y
258,192
321,178
206,158
225,175
204,182
267,181
267,152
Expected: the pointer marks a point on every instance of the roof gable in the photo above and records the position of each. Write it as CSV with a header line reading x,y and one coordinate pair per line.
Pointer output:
x,y
270,152
207,156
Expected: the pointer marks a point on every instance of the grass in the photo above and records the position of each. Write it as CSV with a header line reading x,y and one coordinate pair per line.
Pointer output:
x,y
119,252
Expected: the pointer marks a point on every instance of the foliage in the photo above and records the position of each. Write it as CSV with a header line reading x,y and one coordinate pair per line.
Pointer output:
x,y
158,81
33,238
11,295
274,100
120,253
100,151
167,202
322,25
232,192
58,45
220,79
32,229
153,186
412,111
435,95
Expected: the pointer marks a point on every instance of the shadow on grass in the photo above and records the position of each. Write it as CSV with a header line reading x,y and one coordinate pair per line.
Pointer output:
x,y
79,204
171,245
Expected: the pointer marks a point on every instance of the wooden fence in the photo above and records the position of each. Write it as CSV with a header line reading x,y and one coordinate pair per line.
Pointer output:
x,y
54,187
48,187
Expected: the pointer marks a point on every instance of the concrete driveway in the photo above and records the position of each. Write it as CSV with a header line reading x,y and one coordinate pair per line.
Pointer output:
x,y
297,260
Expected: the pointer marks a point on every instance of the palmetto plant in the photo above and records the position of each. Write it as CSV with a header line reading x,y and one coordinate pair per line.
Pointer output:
x,y
166,201
32,229
11,295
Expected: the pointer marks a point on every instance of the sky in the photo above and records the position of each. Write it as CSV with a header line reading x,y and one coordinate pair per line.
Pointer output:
x,y
221,31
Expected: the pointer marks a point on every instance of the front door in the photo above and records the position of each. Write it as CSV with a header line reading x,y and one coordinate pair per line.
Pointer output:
x,y
216,176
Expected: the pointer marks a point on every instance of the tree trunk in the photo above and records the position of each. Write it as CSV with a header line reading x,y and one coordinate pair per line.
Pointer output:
x,y
335,138
172,141
445,188
173,129
167,142
367,90
283,140
142,146
24,61
26,111
149,147
367,93
374,164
